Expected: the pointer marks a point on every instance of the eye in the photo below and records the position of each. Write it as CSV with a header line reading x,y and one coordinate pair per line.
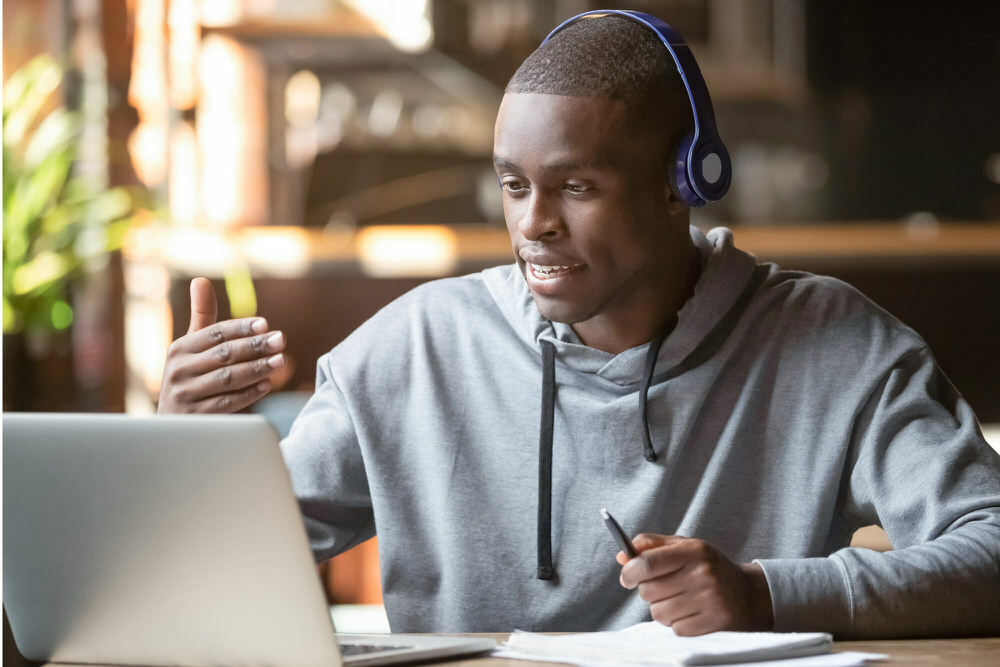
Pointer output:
x,y
513,186
578,188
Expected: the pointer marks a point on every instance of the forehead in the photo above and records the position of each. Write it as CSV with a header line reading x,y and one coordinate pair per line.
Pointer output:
x,y
539,127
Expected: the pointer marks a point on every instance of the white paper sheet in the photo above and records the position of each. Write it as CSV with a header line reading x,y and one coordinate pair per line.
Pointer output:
x,y
655,644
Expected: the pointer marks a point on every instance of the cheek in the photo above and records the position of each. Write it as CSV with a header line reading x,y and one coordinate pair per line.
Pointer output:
x,y
510,216
613,237
625,256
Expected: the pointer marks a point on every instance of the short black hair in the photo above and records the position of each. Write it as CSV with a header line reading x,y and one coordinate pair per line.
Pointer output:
x,y
618,58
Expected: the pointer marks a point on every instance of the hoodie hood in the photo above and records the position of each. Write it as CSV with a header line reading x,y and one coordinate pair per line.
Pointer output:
x,y
726,272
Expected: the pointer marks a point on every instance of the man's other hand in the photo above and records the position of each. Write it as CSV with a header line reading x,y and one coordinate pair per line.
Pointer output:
x,y
692,587
219,366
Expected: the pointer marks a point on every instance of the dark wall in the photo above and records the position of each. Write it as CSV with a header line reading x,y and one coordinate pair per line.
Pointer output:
x,y
910,94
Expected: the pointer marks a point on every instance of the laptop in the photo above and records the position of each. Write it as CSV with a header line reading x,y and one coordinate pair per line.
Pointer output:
x,y
168,540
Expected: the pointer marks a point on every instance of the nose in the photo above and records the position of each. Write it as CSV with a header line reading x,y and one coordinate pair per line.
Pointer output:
x,y
541,220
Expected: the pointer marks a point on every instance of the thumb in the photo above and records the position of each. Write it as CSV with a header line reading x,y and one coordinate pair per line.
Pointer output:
x,y
203,304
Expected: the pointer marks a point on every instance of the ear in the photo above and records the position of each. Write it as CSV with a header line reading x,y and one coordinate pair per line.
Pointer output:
x,y
675,206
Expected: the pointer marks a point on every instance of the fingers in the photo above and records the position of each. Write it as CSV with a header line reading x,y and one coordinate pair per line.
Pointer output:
x,y
204,307
684,605
693,625
227,379
212,369
695,613
681,618
672,555
220,332
645,541
235,351
694,588
665,587
230,401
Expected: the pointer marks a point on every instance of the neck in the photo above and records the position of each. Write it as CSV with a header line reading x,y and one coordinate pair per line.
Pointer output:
x,y
651,312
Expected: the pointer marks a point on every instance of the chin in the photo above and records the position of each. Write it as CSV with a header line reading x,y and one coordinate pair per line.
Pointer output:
x,y
554,311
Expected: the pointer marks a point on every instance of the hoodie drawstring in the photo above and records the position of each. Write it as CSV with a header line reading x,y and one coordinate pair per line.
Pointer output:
x,y
647,379
546,570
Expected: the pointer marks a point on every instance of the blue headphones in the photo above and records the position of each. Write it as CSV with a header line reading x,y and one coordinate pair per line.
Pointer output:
x,y
702,169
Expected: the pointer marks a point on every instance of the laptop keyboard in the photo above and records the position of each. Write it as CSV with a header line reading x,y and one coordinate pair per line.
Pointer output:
x,y
359,649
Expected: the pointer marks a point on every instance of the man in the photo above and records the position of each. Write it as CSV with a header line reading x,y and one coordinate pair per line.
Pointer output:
x,y
747,419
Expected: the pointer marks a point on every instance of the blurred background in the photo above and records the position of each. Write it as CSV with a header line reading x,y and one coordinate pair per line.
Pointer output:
x,y
317,158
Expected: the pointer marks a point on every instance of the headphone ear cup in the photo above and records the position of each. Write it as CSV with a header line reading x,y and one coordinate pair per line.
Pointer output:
x,y
679,177
671,167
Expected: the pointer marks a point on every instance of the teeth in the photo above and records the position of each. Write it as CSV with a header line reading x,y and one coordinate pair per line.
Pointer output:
x,y
547,269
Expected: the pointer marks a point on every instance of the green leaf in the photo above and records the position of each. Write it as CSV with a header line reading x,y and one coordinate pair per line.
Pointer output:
x,y
241,292
58,220
15,246
54,134
24,95
11,319
38,190
55,225
109,205
62,314
45,268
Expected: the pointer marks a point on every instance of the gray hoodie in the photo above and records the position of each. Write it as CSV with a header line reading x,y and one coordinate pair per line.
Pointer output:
x,y
785,410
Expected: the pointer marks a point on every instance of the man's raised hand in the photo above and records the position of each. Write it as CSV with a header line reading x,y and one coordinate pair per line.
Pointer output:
x,y
219,366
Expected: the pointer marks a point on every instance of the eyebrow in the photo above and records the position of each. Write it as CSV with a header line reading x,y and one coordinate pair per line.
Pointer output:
x,y
555,167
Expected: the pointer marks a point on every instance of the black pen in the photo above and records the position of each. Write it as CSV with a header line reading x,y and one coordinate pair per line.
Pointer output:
x,y
620,537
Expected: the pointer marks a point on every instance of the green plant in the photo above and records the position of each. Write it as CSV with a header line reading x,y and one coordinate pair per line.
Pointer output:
x,y
56,225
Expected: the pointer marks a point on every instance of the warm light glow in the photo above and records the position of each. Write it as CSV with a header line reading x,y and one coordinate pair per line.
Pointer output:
x,y
218,135
184,193
302,102
387,251
147,93
147,145
302,96
221,12
406,24
191,250
278,252
182,19
148,84
148,329
231,135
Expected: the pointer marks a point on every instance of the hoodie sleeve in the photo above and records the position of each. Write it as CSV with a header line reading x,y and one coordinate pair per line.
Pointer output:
x,y
920,468
327,471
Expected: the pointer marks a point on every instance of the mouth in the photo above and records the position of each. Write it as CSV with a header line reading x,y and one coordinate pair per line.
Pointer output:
x,y
543,272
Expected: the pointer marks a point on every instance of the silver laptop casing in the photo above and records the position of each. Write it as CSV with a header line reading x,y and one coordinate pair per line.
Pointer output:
x,y
157,540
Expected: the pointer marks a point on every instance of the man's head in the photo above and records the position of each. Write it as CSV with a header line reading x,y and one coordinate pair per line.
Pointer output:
x,y
616,58
582,147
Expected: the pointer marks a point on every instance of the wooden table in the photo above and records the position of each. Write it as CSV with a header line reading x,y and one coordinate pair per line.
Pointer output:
x,y
976,652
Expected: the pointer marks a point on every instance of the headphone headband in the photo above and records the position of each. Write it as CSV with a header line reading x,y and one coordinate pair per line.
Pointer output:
x,y
702,166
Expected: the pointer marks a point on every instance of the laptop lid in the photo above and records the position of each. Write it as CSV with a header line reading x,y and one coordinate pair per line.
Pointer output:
x,y
157,540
